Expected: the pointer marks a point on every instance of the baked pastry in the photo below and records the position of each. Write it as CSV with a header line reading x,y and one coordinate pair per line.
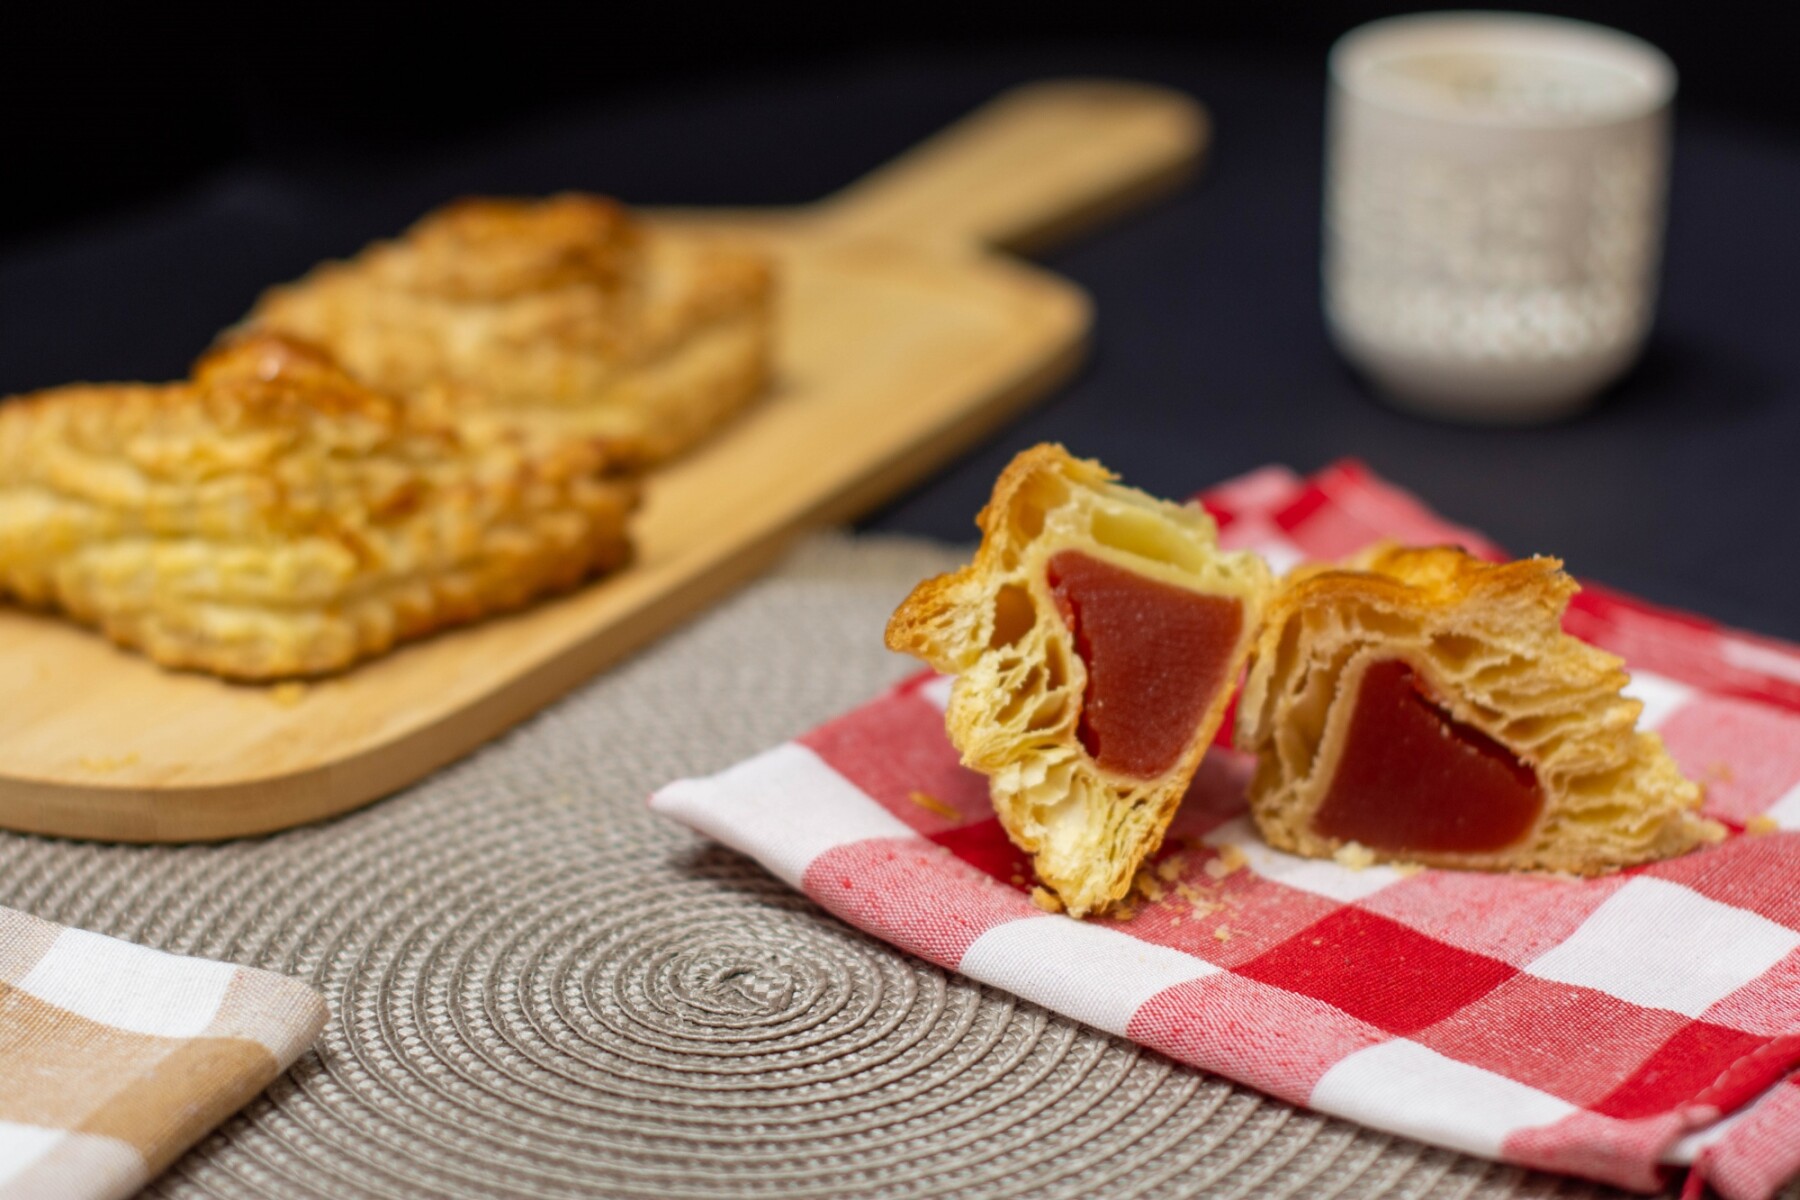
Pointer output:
x,y
1424,706
1095,639
272,517
565,316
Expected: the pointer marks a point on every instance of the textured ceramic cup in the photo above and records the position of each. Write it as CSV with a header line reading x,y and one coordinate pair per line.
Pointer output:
x,y
1495,187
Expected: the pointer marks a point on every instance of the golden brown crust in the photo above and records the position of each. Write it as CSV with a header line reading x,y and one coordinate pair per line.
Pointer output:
x,y
1486,642
564,316
1020,680
272,517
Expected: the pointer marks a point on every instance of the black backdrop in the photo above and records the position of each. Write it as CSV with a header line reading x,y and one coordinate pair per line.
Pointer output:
x,y
107,104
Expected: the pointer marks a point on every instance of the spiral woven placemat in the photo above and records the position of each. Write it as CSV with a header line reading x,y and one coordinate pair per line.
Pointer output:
x,y
540,989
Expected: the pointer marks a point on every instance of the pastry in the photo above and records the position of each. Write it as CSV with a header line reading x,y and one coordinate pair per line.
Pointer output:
x,y
1095,639
272,517
566,316
1424,706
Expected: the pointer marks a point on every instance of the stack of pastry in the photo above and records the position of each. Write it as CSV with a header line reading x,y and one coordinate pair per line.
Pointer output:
x,y
273,517
1415,706
561,316
443,427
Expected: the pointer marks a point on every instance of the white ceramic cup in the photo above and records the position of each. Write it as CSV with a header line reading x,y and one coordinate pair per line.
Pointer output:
x,y
1495,187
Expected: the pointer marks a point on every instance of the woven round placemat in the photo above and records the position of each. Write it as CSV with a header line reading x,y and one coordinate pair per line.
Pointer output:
x,y
538,988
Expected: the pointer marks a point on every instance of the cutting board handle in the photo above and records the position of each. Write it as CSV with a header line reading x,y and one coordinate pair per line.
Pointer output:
x,y
1037,164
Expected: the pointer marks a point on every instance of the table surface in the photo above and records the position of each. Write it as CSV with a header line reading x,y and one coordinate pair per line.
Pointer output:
x,y
1209,357
538,987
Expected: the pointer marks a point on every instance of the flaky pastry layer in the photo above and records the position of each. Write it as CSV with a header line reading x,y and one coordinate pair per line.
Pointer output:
x,y
1486,643
563,317
271,517
1016,705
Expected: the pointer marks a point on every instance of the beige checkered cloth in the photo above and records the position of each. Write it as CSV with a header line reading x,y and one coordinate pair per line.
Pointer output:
x,y
114,1058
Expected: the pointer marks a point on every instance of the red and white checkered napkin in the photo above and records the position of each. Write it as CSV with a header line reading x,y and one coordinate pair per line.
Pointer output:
x,y
1600,1027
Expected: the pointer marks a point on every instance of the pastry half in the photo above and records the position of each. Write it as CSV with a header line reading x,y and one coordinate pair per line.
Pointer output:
x,y
1424,706
1095,639
562,317
271,517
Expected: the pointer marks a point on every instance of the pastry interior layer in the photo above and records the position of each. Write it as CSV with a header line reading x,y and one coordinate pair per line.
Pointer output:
x,y
1010,625
565,316
1434,643
272,517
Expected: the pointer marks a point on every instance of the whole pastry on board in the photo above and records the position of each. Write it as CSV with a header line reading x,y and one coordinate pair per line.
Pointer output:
x,y
272,517
1425,706
1095,639
565,316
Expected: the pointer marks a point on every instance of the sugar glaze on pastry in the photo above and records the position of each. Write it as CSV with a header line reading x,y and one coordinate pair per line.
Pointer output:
x,y
565,316
272,517
1095,639
1425,706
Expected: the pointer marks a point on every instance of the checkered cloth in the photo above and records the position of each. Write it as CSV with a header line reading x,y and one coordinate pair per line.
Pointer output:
x,y
115,1058
1605,1027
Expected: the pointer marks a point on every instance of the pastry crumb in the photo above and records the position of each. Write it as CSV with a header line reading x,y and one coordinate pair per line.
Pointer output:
x,y
1407,870
1170,868
106,764
1197,900
1046,899
930,803
1354,855
288,694
1223,933
1229,861
1761,825
1146,885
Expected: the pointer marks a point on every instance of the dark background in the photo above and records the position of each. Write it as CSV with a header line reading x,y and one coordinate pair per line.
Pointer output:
x,y
108,104
161,171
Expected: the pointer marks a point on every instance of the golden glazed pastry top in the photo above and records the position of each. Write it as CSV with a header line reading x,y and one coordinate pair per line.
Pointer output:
x,y
560,316
1017,704
274,517
1485,642
479,249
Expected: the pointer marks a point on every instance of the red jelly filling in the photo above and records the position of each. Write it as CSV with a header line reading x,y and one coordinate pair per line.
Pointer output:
x,y
1156,657
1412,778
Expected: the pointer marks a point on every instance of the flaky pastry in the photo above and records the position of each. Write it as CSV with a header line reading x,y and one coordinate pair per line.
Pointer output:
x,y
1421,705
560,316
1095,640
272,517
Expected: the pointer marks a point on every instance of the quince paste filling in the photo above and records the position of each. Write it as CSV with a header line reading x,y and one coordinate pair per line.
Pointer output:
x,y
1412,779
1156,657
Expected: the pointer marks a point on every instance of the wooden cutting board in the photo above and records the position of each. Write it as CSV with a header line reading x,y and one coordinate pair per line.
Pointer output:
x,y
904,337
